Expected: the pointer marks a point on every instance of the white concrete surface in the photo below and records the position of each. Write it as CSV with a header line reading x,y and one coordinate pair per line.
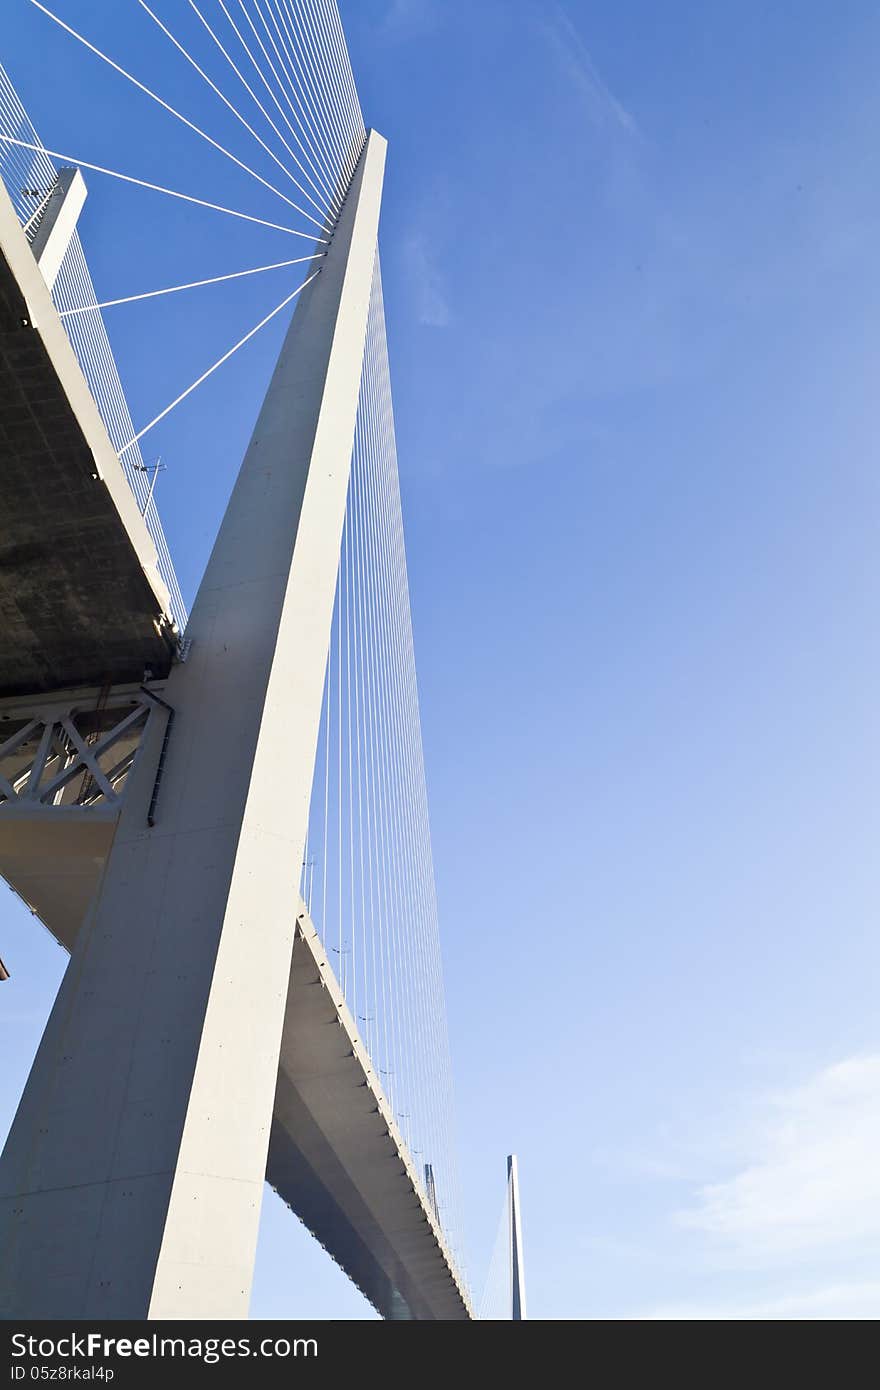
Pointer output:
x,y
58,223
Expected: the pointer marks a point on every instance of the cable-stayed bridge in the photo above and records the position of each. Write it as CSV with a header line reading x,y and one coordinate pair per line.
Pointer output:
x,y
222,817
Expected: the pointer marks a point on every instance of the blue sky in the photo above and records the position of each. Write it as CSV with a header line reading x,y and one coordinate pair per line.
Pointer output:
x,y
630,274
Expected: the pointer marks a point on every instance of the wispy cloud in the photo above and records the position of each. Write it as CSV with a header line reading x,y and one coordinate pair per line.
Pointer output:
x,y
426,281
811,1180
575,62
837,1301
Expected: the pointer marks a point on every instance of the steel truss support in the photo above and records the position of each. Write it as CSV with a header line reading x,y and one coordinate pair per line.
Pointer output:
x,y
72,749
65,762
131,1182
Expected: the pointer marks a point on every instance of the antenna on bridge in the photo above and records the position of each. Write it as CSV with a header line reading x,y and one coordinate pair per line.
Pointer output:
x,y
517,1274
154,468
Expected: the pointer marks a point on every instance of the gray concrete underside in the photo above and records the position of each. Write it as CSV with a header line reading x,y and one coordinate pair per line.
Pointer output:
x,y
81,600
53,859
338,1160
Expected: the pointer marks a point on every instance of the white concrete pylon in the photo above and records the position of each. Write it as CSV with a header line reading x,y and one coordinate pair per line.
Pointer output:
x,y
131,1182
517,1273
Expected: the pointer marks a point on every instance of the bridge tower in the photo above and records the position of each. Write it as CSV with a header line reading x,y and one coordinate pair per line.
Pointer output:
x,y
132,1177
517,1273
156,786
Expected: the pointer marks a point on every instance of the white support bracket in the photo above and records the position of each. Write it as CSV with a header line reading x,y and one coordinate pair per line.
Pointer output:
x,y
57,223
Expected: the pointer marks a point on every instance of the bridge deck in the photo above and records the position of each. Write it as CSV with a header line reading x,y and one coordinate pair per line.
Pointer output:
x,y
81,598
338,1159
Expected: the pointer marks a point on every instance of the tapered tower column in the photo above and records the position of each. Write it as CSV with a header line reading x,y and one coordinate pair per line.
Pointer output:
x,y
131,1182
517,1273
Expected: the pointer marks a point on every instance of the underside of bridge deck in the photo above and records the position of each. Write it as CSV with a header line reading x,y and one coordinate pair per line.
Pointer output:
x,y
338,1160
81,599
